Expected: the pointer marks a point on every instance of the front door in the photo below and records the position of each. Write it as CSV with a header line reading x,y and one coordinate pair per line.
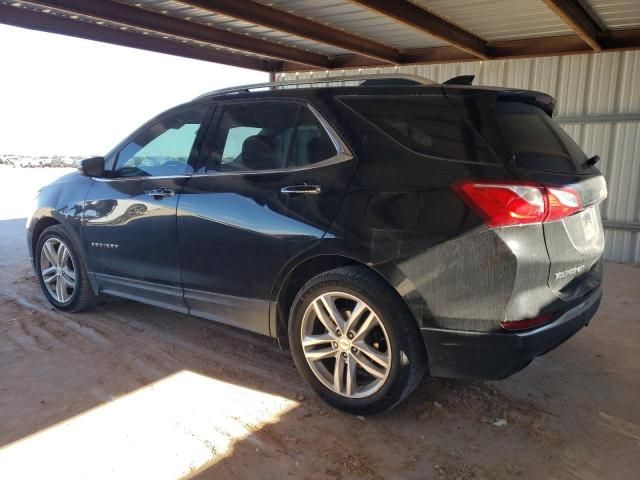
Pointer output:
x,y
272,179
130,216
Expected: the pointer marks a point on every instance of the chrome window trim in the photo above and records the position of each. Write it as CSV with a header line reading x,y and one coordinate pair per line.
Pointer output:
x,y
339,158
149,177
340,146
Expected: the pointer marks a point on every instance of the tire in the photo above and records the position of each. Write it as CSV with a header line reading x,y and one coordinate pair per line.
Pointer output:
x,y
383,330
71,268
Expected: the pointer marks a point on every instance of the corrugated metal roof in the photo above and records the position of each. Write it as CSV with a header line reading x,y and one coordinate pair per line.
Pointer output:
x,y
195,14
499,19
616,14
88,19
359,20
584,85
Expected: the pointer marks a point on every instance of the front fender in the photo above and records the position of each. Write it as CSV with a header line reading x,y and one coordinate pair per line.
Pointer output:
x,y
61,202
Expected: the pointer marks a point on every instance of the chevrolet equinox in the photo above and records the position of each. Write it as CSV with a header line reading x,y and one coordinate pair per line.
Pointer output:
x,y
379,229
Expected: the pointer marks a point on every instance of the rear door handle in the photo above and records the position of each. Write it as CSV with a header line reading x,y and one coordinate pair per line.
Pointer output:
x,y
159,193
303,189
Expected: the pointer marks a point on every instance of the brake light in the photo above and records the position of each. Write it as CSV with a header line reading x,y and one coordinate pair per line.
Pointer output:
x,y
513,202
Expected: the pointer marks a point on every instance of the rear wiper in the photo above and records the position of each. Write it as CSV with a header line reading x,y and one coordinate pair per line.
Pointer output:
x,y
592,161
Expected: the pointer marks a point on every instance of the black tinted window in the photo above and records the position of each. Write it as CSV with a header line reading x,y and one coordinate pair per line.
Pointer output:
x,y
310,142
267,135
536,141
427,125
163,148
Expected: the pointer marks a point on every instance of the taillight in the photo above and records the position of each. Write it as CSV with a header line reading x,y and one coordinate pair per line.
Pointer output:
x,y
562,202
504,203
513,202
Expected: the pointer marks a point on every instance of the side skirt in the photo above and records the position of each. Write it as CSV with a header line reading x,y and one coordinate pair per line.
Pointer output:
x,y
163,296
240,312
245,313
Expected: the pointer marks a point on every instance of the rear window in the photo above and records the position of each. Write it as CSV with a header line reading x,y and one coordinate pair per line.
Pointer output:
x,y
536,141
426,125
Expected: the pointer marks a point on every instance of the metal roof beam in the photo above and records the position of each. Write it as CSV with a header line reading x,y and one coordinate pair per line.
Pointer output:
x,y
522,48
622,39
158,22
276,19
579,20
410,14
20,17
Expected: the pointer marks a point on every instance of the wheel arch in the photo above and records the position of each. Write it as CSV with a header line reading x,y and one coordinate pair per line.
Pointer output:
x,y
38,227
306,269
41,222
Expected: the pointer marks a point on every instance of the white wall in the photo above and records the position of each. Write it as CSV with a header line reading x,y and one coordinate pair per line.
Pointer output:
x,y
584,86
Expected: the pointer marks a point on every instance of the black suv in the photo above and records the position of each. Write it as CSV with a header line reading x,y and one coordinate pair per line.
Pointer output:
x,y
379,230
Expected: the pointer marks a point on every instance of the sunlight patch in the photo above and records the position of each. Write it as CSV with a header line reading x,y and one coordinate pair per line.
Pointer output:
x,y
166,430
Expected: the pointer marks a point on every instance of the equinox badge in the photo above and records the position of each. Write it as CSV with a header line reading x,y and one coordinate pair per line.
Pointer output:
x,y
572,272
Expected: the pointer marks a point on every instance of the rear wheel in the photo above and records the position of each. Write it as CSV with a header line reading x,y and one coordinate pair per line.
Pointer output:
x,y
61,273
355,342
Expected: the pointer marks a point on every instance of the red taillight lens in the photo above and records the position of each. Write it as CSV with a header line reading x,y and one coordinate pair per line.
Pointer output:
x,y
526,324
504,203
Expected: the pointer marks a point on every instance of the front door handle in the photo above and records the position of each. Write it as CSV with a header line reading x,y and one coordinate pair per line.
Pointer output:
x,y
159,193
301,189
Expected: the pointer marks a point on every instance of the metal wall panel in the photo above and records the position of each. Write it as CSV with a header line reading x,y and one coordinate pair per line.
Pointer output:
x,y
585,86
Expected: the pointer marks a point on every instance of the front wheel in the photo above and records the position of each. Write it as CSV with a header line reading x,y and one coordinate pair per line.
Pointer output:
x,y
355,342
61,272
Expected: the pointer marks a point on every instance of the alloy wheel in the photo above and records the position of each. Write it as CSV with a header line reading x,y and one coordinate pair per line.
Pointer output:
x,y
346,344
57,270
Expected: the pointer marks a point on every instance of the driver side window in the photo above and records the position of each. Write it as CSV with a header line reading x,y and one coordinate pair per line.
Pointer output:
x,y
163,149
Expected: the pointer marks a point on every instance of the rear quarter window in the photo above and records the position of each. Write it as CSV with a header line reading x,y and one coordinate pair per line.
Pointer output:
x,y
537,141
424,124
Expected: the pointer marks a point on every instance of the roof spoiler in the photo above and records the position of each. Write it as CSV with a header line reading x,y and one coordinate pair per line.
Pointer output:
x,y
460,80
541,100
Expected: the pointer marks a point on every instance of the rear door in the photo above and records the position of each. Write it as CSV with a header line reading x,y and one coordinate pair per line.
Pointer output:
x,y
272,177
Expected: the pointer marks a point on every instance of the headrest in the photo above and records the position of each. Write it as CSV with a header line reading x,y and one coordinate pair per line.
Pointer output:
x,y
259,153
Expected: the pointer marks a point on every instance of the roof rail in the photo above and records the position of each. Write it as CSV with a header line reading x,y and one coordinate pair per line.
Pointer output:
x,y
418,80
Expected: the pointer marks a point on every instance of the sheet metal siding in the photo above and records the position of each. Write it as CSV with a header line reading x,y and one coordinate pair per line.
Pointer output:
x,y
590,84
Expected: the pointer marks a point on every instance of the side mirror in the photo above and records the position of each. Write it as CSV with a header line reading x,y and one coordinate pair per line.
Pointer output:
x,y
92,167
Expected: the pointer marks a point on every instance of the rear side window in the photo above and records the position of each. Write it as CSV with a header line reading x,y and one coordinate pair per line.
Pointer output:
x,y
426,125
266,136
536,141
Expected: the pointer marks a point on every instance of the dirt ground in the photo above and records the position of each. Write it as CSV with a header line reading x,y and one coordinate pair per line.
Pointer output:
x,y
131,391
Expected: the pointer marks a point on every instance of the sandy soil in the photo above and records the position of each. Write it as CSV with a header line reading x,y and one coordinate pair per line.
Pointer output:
x,y
131,391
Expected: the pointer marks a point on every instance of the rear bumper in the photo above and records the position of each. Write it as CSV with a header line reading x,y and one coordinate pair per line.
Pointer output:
x,y
493,356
